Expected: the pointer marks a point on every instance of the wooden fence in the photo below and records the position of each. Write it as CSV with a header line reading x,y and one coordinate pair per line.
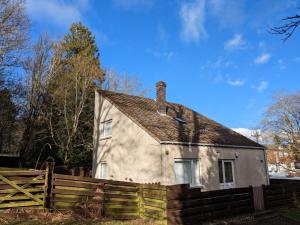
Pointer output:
x,y
121,200
153,201
281,195
74,192
177,204
191,206
22,188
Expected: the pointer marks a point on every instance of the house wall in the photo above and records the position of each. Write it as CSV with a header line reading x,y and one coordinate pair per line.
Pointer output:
x,y
131,153
249,165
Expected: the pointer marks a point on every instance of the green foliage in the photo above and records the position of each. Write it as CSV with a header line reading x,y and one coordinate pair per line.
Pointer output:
x,y
292,213
76,71
80,41
7,119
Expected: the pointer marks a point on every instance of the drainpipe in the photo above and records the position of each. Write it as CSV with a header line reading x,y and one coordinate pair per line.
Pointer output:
x,y
266,166
165,156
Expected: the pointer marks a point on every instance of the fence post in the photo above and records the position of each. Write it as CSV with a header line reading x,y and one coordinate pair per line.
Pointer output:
x,y
258,198
295,201
49,184
265,196
140,199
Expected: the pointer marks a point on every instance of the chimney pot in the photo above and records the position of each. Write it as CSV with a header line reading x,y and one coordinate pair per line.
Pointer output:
x,y
161,97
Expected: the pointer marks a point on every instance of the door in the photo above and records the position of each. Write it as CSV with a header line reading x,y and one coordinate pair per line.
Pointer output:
x,y
226,174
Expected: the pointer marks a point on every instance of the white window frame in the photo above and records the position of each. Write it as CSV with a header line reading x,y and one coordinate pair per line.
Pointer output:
x,y
103,134
101,168
223,161
195,181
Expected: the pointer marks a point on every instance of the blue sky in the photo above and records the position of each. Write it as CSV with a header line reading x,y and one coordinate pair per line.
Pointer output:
x,y
215,55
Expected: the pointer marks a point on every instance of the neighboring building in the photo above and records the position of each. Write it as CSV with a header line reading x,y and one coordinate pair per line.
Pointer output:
x,y
9,158
281,162
142,140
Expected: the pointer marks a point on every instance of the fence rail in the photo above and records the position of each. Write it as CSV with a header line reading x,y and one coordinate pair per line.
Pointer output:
x,y
177,204
153,201
280,195
189,206
121,200
22,188
70,192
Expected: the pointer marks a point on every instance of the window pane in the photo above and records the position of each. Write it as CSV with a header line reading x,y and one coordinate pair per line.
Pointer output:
x,y
101,130
183,172
103,170
228,172
107,128
196,174
220,172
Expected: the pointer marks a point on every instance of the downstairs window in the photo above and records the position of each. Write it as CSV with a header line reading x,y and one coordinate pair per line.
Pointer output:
x,y
187,171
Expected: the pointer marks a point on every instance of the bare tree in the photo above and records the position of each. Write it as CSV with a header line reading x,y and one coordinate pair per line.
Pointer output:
x,y
73,81
14,26
288,28
37,69
123,83
282,120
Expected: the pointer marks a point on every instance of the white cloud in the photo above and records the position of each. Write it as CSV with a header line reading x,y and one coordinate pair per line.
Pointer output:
x,y
218,78
263,58
281,64
262,44
264,136
61,13
162,33
229,13
236,82
167,55
133,4
192,16
243,131
220,63
297,59
263,85
235,43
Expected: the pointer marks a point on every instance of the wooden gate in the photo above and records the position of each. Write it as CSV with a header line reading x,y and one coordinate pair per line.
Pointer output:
x,y
22,188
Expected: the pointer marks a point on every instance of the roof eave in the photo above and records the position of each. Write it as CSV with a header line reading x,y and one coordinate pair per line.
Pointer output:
x,y
211,145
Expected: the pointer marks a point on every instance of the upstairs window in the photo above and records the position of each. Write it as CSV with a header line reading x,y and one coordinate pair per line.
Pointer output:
x,y
106,129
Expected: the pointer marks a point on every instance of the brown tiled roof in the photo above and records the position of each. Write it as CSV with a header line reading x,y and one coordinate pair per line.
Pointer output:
x,y
196,128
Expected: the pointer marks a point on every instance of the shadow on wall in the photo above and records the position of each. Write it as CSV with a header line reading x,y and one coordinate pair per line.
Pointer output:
x,y
129,144
249,166
194,135
125,148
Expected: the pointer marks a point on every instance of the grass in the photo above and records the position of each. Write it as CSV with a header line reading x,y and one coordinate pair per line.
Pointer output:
x,y
292,213
42,217
81,222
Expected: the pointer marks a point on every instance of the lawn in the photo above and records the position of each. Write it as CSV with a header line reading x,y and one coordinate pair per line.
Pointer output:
x,y
82,222
292,213
41,217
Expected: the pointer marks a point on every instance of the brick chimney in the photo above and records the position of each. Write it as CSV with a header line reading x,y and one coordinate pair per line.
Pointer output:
x,y
161,97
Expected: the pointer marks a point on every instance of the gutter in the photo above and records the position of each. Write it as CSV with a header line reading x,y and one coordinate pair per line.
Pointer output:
x,y
209,145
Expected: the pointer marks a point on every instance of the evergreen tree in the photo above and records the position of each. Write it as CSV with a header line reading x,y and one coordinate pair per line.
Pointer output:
x,y
76,71
7,120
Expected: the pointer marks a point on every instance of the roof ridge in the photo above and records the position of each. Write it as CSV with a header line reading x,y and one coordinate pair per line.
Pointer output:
x,y
131,95
143,111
